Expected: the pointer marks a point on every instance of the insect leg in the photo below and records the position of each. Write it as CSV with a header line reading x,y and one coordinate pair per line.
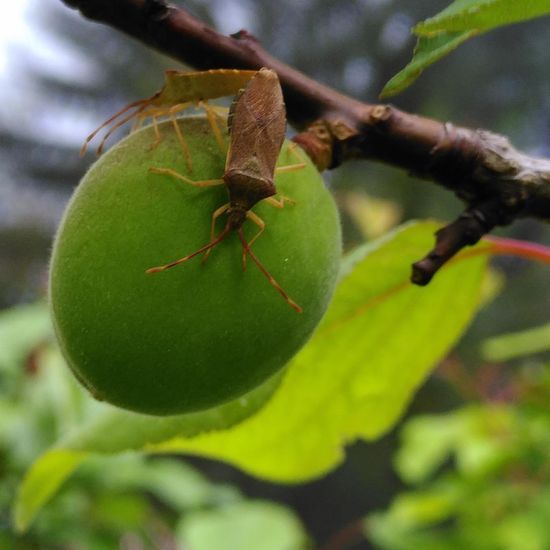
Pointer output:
x,y
292,149
276,203
113,128
138,123
289,168
183,143
137,105
270,277
158,137
219,111
261,224
177,175
280,202
217,213
202,249
211,116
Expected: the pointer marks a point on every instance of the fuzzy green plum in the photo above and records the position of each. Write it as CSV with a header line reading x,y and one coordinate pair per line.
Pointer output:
x,y
201,333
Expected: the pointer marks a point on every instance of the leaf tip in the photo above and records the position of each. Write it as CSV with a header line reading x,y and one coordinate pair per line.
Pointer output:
x,y
41,482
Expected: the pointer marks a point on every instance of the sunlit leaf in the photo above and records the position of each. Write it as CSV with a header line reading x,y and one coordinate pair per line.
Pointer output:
x,y
378,342
117,430
41,481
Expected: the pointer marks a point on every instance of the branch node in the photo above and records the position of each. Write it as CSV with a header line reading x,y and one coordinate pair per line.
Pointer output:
x,y
466,230
448,135
380,114
323,141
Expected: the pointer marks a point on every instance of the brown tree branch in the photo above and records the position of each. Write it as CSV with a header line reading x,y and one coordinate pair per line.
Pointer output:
x,y
497,182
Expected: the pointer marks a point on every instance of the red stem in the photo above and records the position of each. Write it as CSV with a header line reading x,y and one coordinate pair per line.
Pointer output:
x,y
522,249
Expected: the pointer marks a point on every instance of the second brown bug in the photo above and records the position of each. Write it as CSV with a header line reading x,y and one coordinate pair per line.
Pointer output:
x,y
256,124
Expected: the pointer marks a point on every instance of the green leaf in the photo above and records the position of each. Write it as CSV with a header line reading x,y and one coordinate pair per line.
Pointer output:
x,y
479,439
490,437
427,51
482,15
116,431
243,526
41,481
403,525
427,442
463,19
378,342
427,506
517,344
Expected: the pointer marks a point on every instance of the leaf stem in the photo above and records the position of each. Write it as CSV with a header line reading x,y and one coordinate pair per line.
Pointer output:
x,y
521,249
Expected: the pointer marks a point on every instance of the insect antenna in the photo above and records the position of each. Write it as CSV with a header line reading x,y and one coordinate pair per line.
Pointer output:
x,y
139,105
206,247
270,277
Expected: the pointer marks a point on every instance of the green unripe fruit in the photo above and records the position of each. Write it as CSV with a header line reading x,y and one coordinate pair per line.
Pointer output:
x,y
198,334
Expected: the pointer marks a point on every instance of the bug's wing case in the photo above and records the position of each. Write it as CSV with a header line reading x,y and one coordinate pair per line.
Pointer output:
x,y
231,113
257,127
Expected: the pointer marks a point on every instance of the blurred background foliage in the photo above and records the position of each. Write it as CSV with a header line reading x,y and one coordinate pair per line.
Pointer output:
x,y
479,473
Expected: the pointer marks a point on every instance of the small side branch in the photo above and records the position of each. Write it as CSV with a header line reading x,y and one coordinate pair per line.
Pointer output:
x,y
467,230
496,182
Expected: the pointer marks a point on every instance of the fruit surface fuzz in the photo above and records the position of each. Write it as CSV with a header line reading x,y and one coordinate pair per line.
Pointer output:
x,y
201,333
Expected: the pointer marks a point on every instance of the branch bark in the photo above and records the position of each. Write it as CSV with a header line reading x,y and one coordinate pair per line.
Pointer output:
x,y
497,182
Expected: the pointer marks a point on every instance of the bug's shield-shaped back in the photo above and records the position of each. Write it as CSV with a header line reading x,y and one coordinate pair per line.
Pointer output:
x,y
257,123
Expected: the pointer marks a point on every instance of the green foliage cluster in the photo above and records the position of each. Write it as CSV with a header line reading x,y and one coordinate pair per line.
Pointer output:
x,y
480,476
